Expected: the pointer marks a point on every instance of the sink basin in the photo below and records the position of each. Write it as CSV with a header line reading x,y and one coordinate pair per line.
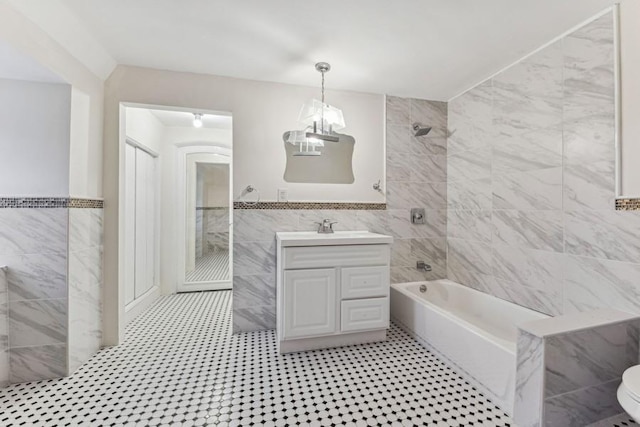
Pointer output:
x,y
312,238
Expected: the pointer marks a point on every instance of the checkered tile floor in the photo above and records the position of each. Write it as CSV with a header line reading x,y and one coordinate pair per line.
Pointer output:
x,y
180,366
209,268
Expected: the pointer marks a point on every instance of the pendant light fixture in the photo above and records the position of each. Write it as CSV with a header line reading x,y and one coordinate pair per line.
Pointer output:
x,y
320,118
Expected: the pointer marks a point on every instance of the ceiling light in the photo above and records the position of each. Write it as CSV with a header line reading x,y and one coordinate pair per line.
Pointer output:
x,y
197,120
320,118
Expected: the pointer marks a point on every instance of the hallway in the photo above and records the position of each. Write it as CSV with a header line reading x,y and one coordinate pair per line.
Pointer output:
x,y
180,366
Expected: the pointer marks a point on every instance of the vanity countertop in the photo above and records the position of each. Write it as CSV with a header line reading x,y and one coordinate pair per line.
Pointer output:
x,y
312,238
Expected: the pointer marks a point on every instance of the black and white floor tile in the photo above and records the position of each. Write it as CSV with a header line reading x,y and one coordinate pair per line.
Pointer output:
x,y
180,366
622,420
211,267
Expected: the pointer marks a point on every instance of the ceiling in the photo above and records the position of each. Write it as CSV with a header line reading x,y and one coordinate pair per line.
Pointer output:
x,y
430,49
184,119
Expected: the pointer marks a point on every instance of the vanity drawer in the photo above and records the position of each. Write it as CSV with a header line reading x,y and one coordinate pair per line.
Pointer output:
x,y
364,314
364,282
335,256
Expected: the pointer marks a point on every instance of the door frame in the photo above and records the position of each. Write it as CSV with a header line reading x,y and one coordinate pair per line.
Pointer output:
x,y
220,155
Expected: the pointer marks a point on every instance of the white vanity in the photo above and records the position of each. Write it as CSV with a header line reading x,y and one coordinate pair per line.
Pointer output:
x,y
332,289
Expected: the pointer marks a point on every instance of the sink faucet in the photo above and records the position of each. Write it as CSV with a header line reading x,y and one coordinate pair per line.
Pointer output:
x,y
326,226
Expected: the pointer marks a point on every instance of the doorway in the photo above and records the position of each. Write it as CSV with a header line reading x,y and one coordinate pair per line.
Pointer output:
x,y
175,204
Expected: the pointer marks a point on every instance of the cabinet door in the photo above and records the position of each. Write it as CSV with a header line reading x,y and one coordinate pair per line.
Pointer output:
x,y
309,303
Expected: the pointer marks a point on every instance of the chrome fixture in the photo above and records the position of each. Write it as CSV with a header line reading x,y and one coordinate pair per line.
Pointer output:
x,y
417,216
420,130
326,226
320,119
423,288
250,189
422,266
377,186
197,120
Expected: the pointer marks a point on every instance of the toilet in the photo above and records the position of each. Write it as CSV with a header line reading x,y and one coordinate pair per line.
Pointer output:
x,y
629,392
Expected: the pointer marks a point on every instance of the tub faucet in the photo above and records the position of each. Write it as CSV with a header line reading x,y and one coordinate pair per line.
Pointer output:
x,y
326,226
422,266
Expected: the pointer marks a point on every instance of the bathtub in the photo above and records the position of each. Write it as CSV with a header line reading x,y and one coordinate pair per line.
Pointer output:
x,y
472,330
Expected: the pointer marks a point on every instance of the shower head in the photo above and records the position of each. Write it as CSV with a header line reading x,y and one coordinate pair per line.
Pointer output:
x,y
419,130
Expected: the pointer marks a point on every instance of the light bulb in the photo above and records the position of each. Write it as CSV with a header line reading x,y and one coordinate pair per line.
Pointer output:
x,y
197,120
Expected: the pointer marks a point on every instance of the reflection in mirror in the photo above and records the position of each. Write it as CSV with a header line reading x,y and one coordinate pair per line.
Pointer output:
x,y
333,166
208,225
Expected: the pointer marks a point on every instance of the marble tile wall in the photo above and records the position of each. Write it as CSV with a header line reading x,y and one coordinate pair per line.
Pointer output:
x,y
4,329
569,378
85,285
416,177
216,229
33,245
531,182
51,305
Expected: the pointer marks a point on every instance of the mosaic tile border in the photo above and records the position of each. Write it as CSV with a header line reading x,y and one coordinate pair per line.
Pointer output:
x,y
75,202
628,204
312,206
49,203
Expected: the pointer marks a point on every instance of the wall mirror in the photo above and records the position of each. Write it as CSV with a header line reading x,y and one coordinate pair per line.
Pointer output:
x,y
208,221
325,163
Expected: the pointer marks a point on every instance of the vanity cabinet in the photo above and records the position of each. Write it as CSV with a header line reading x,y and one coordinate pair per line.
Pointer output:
x,y
332,290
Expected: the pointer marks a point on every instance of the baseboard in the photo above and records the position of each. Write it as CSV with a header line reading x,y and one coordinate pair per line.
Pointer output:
x,y
139,305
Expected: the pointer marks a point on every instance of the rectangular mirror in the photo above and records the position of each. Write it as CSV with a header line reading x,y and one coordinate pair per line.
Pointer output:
x,y
208,225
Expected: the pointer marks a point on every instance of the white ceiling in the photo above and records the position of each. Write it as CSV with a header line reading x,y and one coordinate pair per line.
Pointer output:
x,y
423,48
184,119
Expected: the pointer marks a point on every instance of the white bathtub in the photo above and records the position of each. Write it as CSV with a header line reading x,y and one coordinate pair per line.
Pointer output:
x,y
474,331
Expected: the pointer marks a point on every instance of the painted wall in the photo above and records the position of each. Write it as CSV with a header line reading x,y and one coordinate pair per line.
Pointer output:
x,y
144,128
34,130
261,113
85,172
531,183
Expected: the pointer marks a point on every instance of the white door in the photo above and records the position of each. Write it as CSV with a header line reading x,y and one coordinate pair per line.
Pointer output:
x,y
310,302
139,223
144,223
129,224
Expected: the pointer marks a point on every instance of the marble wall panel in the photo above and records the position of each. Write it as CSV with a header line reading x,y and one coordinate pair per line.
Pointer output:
x,y
547,185
38,363
33,231
528,402
37,322
583,407
569,367
84,285
590,357
4,330
471,120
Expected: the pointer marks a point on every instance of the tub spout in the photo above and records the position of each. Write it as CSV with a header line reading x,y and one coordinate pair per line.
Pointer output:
x,y
422,266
